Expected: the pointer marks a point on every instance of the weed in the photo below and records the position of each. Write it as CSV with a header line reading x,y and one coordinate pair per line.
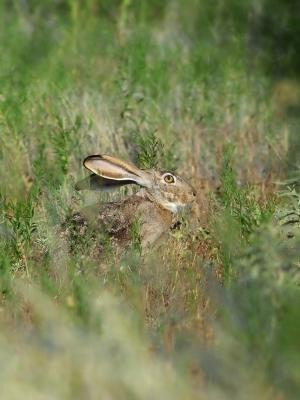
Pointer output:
x,y
209,312
64,141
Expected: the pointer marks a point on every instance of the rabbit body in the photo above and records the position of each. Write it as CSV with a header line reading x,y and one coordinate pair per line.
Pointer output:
x,y
116,220
154,206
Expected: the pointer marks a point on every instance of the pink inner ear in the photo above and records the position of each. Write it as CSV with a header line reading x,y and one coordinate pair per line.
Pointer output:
x,y
107,169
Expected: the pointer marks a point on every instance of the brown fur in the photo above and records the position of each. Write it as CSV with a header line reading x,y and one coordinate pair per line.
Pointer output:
x,y
115,219
154,207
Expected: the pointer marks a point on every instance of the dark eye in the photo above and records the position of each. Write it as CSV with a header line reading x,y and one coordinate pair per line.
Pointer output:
x,y
169,178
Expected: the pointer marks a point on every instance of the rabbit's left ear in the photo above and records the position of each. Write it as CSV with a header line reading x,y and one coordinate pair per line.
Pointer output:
x,y
112,168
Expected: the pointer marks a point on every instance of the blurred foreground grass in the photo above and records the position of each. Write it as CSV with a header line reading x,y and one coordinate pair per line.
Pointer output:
x,y
214,312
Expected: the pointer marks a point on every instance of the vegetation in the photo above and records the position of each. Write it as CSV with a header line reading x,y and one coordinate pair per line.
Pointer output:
x,y
209,88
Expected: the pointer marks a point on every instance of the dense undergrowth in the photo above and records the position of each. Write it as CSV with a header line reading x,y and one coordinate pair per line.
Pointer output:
x,y
213,312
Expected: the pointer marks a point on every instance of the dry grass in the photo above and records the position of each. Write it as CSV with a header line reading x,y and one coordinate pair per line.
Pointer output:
x,y
212,311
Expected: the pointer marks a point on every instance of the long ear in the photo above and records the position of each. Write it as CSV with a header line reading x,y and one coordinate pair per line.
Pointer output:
x,y
117,170
95,182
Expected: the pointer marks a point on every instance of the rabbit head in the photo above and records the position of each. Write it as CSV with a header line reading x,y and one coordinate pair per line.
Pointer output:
x,y
168,190
164,188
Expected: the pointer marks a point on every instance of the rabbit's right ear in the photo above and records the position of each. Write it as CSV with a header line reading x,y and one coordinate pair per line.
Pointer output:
x,y
97,183
117,170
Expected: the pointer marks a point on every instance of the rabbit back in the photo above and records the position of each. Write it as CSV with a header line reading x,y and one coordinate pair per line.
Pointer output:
x,y
115,220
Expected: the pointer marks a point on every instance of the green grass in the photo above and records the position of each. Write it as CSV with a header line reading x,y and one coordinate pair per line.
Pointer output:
x,y
213,313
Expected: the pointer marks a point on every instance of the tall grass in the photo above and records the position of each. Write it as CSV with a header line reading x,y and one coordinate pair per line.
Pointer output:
x,y
212,311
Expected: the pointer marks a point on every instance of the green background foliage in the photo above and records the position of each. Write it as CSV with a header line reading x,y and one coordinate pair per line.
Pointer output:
x,y
208,88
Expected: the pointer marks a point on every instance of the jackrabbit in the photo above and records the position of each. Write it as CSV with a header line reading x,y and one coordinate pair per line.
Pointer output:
x,y
155,205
